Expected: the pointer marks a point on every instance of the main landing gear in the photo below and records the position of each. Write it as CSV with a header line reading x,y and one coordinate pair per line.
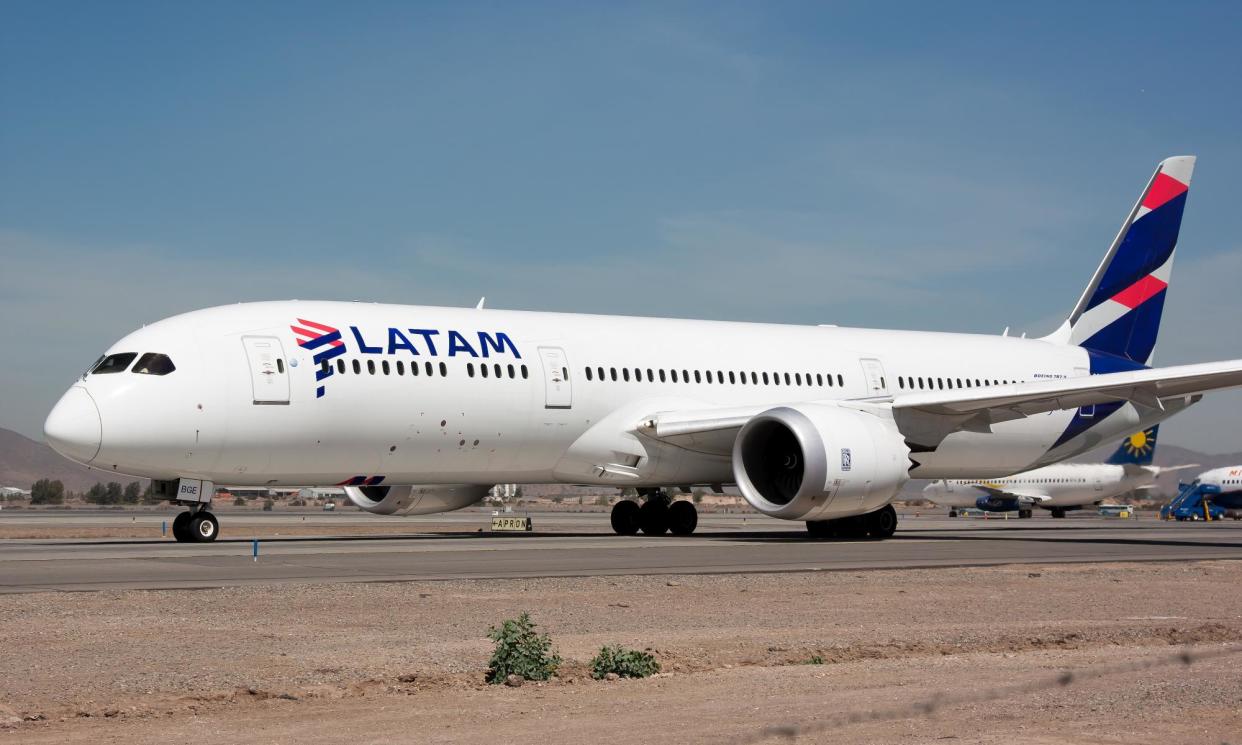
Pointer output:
x,y
658,515
876,525
195,527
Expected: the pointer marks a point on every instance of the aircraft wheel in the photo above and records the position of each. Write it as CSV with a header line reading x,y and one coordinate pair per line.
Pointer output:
x,y
1058,512
882,523
653,517
204,527
625,517
181,527
683,517
819,528
952,513
851,527
1024,514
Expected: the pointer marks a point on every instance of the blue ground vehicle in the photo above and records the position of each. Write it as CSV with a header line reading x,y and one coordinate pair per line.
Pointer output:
x,y
1194,502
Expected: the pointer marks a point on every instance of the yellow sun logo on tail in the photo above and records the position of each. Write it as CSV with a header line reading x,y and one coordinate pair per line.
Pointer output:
x,y
1140,443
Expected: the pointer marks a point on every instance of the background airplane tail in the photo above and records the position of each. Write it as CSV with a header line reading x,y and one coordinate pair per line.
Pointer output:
x,y
1138,449
1119,313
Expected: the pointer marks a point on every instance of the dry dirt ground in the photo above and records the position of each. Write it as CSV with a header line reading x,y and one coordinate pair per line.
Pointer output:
x,y
907,656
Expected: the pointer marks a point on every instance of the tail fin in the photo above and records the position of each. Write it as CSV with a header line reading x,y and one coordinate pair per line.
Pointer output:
x,y
1138,449
1119,313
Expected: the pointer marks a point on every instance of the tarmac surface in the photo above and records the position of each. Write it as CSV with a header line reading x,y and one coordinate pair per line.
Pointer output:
x,y
458,546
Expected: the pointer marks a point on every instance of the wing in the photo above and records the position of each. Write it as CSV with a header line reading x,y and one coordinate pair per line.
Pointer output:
x,y
1000,492
927,418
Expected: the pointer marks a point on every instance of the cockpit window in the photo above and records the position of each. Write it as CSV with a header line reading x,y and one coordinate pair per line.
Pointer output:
x,y
152,363
114,363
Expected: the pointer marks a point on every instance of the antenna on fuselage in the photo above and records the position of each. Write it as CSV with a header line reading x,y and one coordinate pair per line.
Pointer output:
x,y
480,305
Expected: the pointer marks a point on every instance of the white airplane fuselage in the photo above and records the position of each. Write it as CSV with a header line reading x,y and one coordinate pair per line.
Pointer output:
x,y
1060,485
244,405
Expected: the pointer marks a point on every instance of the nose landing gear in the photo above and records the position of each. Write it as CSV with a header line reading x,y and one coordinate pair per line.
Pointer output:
x,y
195,527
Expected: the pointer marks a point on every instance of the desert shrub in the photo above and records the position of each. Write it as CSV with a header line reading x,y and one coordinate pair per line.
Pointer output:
x,y
520,651
815,660
626,663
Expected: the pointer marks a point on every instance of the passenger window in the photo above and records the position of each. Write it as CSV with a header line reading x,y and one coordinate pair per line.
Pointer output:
x,y
469,369
159,364
371,366
698,377
650,376
754,378
819,379
765,379
674,374
662,375
511,375
414,369
588,374
613,370
427,367
483,370
798,378
384,365
340,366
357,367
280,366
443,370
732,380
625,374
400,367
524,372
840,380
638,375
322,366
709,376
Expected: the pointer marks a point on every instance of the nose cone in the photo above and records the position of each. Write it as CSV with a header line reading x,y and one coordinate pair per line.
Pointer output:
x,y
73,429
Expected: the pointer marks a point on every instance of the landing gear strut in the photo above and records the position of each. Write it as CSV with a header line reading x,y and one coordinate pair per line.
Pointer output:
x,y
195,527
878,525
658,515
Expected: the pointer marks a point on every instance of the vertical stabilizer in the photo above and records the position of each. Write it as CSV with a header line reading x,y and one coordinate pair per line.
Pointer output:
x,y
1119,312
1138,449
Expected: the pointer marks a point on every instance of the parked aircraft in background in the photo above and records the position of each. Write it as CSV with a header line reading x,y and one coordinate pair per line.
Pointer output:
x,y
1058,488
421,409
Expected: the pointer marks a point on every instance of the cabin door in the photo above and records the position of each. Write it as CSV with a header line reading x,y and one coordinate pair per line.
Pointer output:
x,y
268,377
556,385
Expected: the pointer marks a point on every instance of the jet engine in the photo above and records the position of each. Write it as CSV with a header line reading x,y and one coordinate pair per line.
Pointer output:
x,y
819,461
415,500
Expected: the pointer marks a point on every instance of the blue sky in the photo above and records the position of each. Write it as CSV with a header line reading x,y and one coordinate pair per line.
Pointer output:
x,y
959,167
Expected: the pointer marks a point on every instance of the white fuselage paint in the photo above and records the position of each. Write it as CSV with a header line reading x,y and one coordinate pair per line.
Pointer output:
x,y
1063,485
201,421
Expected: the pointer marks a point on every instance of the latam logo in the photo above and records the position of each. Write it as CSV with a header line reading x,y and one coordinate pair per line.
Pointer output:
x,y
326,342
313,336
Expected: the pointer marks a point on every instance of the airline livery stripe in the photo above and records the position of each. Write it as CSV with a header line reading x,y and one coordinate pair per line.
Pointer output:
x,y
329,329
1140,292
1163,188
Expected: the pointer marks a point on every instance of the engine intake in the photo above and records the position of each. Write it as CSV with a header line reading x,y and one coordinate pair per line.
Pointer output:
x,y
415,500
819,461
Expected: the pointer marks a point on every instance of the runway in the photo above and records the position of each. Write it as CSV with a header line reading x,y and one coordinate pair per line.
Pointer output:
x,y
568,545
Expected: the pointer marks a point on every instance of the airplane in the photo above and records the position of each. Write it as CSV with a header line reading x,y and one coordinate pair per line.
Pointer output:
x,y
1216,493
416,409
1058,488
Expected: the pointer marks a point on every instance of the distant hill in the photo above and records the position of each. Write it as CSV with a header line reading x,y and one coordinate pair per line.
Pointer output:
x,y
24,461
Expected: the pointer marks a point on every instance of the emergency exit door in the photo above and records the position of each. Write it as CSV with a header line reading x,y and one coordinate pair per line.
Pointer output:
x,y
269,377
557,392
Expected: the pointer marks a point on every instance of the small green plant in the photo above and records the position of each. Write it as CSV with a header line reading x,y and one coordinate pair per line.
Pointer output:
x,y
815,660
520,651
626,663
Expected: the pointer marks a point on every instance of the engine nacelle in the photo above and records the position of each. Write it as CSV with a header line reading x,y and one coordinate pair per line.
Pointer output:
x,y
819,461
415,500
